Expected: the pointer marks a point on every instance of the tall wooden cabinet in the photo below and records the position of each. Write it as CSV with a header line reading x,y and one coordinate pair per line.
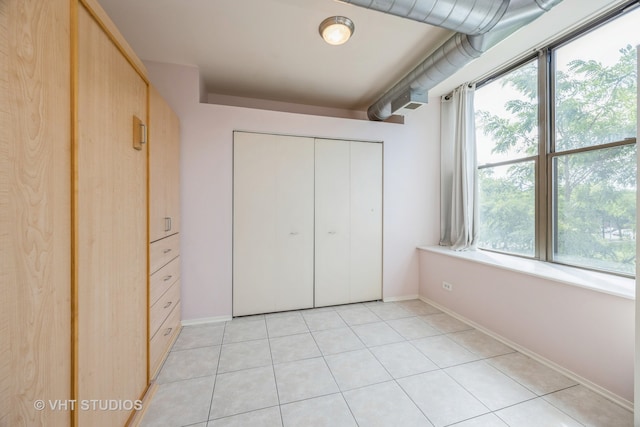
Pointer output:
x,y
74,239
35,213
307,222
110,226
164,224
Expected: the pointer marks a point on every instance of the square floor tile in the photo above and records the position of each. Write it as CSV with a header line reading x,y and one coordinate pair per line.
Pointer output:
x,y
303,379
378,333
293,347
191,363
357,315
245,330
289,324
532,374
490,386
384,405
243,391
590,408
356,369
388,311
333,341
445,323
441,399
318,321
443,351
418,307
243,355
199,336
269,417
536,413
480,343
180,403
402,359
412,328
325,411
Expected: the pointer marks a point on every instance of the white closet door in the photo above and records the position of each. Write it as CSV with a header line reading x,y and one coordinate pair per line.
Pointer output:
x,y
366,221
272,223
348,222
332,222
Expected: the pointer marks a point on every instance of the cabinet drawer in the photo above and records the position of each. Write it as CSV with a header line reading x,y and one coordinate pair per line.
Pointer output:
x,y
162,279
161,309
163,251
160,342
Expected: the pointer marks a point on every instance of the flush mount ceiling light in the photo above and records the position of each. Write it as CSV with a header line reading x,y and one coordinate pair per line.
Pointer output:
x,y
336,30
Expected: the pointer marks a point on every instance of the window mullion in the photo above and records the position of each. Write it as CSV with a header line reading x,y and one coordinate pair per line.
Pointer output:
x,y
543,225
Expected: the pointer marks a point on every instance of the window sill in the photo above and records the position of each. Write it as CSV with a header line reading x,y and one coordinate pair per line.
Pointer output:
x,y
596,281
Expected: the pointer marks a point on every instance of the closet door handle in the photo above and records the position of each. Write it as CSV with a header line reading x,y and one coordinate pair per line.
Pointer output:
x,y
293,233
332,232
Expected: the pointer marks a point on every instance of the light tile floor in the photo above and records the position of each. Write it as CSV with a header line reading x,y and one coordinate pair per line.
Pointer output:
x,y
372,364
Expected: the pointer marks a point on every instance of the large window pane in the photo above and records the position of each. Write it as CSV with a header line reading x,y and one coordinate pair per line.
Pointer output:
x,y
595,85
595,209
507,208
507,116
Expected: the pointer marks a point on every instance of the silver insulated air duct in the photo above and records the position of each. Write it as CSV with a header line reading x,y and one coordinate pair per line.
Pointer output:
x,y
481,24
464,16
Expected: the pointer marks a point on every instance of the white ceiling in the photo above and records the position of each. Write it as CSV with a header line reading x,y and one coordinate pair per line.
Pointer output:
x,y
271,49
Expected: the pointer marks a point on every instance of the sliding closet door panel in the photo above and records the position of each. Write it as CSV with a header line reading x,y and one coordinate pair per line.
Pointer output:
x,y
366,221
294,224
332,222
273,223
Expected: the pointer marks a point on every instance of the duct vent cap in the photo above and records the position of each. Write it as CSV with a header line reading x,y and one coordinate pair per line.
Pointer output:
x,y
408,101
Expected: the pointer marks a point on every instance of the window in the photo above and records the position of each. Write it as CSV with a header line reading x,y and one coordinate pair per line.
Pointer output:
x,y
556,139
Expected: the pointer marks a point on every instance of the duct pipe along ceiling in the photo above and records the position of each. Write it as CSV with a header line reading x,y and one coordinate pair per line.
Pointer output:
x,y
481,24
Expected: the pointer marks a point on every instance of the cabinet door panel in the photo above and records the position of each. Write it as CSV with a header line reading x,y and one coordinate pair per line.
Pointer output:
x,y
111,227
332,222
366,221
164,175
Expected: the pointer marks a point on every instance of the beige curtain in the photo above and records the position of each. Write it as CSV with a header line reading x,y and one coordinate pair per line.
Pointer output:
x,y
458,171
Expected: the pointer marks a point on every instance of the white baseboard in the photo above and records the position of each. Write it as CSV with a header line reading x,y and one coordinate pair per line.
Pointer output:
x,y
205,320
575,377
402,298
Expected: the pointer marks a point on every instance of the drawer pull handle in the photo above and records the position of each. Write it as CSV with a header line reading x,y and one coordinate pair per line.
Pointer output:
x,y
168,332
168,304
166,278
166,251
167,224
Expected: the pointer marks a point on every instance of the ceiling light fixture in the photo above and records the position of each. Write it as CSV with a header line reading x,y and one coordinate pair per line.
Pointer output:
x,y
336,30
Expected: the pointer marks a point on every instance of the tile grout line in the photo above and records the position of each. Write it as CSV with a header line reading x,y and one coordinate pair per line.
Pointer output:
x,y
215,377
273,369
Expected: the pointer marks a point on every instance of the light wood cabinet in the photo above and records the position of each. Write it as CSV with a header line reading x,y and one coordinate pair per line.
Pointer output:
x,y
35,214
74,241
164,226
164,168
110,227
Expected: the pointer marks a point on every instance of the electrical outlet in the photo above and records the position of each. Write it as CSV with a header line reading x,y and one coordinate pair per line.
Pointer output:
x,y
447,286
